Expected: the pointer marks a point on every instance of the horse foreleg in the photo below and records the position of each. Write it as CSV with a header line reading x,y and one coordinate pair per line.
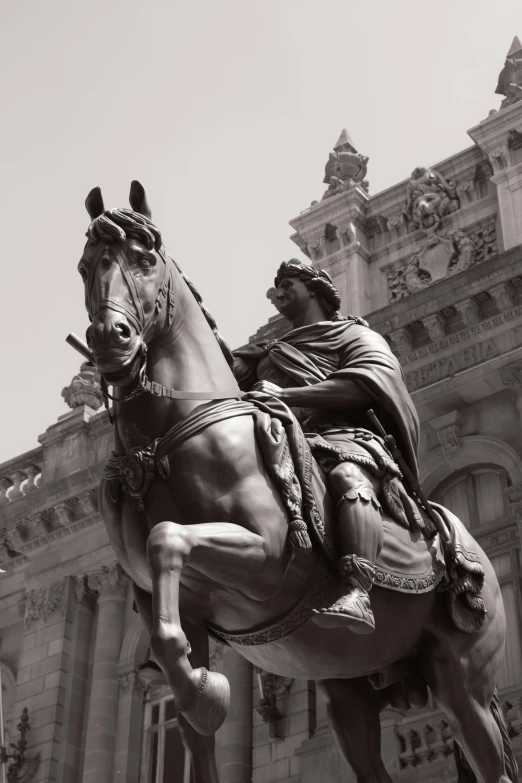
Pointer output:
x,y
353,712
223,551
200,748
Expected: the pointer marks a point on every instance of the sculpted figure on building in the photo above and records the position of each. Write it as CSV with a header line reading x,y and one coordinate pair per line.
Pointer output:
x,y
429,196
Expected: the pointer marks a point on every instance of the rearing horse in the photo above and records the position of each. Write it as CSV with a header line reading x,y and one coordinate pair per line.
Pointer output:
x,y
202,531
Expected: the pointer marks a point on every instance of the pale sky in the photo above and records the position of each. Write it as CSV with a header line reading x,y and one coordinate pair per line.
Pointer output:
x,y
225,110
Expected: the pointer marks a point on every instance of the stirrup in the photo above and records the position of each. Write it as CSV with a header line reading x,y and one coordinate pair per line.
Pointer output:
x,y
210,707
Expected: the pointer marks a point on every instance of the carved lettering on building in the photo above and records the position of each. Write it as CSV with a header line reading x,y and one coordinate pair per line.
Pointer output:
x,y
450,365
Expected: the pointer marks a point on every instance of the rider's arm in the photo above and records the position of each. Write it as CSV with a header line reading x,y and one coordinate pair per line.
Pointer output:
x,y
337,393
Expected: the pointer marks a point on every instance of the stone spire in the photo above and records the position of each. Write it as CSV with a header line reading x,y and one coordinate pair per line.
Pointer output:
x,y
345,167
344,142
84,388
510,78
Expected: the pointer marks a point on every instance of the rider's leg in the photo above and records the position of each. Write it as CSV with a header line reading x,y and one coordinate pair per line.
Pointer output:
x,y
224,552
360,538
353,712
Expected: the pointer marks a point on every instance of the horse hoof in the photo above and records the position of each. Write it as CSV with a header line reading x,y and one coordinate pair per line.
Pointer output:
x,y
210,707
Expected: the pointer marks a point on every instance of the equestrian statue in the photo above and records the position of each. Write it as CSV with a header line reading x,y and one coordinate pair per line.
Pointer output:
x,y
270,499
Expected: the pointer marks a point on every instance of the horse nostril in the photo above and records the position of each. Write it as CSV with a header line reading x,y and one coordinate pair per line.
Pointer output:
x,y
123,330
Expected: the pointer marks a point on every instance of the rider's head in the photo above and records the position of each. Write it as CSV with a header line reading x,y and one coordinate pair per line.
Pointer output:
x,y
307,282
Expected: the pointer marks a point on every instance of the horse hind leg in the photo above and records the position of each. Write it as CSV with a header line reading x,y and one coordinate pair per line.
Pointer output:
x,y
463,686
353,709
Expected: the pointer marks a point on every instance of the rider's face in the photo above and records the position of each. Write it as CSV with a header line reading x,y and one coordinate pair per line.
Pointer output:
x,y
293,297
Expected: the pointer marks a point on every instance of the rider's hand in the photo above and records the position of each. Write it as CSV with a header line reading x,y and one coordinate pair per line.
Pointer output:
x,y
265,387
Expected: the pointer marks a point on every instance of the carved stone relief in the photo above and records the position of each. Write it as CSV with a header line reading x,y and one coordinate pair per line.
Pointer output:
x,y
84,388
42,603
345,167
429,197
441,254
449,432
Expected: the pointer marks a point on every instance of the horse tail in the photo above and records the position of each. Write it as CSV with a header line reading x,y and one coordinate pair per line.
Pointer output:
x,y
509,757
464,772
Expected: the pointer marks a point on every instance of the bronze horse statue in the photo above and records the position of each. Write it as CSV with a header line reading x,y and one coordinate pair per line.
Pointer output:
x,y
202,532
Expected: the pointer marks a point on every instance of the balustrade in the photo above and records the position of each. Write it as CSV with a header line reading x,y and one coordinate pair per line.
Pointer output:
x,y
19,482
428,738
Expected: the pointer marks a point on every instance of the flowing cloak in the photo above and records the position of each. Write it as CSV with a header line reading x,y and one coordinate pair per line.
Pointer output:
x,y
342,351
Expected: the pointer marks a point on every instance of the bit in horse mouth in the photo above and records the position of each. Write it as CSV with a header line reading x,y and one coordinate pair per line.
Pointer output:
x,y
126,373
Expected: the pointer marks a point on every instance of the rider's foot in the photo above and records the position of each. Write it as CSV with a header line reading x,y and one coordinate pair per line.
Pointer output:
x,y
353,610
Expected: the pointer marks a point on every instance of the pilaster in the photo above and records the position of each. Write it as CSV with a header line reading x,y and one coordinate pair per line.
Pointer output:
x,y
43,672
235,736
110,583
332,234
130,726
78,680
496,136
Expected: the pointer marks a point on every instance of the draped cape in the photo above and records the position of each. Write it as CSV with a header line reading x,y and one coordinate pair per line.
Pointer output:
x,y
342,351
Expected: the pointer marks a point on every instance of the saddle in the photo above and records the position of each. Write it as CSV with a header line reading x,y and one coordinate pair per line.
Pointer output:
x,y
412,559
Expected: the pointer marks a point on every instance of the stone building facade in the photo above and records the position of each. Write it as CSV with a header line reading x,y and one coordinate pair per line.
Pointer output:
x,y
435,265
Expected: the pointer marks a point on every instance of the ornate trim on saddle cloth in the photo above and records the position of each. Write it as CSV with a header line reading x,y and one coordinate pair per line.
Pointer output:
x,y
320,594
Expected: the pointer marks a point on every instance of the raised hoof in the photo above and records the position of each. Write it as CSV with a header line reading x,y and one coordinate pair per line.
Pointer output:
x,y
210,706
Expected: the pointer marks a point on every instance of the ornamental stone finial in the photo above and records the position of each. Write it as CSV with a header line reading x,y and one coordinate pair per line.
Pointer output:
x,y
84,388
345,167
510,78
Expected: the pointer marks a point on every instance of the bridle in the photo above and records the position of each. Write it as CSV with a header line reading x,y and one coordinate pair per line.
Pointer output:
x,y
143,326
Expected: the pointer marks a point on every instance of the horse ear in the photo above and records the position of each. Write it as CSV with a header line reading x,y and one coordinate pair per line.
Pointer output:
x,y
94,203
138,199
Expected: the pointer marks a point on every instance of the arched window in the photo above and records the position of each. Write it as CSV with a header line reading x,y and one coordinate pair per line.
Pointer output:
x,y
164,759
475,495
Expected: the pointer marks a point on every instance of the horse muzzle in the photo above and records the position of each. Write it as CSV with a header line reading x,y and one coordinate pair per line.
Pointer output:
x,y
115,346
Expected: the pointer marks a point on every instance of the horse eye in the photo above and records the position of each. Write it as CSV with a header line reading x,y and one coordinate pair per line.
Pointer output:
x,y
144,263
83,273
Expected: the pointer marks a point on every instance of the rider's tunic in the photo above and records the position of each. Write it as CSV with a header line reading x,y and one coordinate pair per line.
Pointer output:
x,y
345,350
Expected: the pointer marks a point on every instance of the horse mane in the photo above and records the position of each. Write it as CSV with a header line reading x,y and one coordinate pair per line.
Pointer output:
x,y
115,225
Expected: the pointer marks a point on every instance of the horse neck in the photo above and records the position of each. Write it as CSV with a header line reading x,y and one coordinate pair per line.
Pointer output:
x,y
186,356
194,357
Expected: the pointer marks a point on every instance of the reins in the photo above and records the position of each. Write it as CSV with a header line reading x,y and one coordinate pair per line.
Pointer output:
x,y
165,297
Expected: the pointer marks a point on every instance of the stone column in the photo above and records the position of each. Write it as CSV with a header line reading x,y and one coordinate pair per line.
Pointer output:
x,y
110,583
78,679
130,727
235,736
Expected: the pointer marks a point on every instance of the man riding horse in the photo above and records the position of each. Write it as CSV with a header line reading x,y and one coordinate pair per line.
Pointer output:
x,y
329,370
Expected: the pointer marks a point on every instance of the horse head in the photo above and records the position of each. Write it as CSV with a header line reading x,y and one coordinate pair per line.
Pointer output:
x,y
128,282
